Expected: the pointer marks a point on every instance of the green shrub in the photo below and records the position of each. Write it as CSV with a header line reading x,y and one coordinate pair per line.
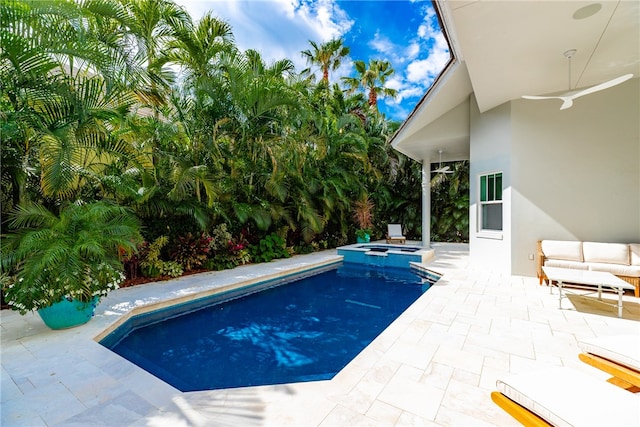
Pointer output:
x,y
226,251
220,238
171,268
269,248
153,266
304,248
241,257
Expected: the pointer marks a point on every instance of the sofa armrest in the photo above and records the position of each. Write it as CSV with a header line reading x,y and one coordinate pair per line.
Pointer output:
x,y
540,259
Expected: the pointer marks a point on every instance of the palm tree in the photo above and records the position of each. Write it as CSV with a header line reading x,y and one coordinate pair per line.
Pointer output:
x,y
27,65
328,56
149,26
197,49
372,80
261,96
61,111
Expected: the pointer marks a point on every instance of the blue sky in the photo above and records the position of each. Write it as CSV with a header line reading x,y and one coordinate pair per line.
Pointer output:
x,y
403,32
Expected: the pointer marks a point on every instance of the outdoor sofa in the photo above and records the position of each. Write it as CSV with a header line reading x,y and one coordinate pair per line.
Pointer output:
x,y
619,259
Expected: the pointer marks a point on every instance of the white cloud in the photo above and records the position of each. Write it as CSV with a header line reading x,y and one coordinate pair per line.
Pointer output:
x,y
411,92
432,65
395,53
381,43
412,50
394,82
276,28
426,54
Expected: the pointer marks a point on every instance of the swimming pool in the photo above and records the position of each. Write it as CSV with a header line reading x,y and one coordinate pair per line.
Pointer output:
x,y
304,328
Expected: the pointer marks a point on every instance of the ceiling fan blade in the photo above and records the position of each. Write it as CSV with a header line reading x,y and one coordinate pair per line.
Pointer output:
x,y
568,102
602,86
540,97
567,98
445,169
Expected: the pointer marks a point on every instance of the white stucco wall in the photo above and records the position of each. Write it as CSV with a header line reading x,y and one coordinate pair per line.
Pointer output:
x,y
575,173
490,151
572,174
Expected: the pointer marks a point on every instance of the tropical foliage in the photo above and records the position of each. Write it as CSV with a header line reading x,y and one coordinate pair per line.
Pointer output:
x,y
372,78
327,56
363,215
450,204
73,255
217,152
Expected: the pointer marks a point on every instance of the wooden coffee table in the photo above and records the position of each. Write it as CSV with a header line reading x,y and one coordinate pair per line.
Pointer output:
x,y
585,279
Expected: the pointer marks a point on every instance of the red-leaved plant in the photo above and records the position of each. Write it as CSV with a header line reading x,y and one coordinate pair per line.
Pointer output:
x,y
191,251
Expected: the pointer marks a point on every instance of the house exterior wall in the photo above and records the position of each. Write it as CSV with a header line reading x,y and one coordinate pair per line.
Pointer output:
x,y
490,151
575,173
571,174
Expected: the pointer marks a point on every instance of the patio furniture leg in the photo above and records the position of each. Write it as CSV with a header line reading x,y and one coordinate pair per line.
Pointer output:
x,y
560,294
599,292
620,293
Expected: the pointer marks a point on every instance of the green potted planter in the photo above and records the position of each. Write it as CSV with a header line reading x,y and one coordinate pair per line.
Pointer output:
x,y
363,236
60,265
68,313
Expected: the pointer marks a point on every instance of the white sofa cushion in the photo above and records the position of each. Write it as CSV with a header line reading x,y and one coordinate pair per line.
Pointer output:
x,y
616,269
561,249
576,265
564,396
611,253
624,349
634,248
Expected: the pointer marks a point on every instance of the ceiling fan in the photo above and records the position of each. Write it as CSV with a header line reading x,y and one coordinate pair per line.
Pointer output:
x,y
567,98
440,168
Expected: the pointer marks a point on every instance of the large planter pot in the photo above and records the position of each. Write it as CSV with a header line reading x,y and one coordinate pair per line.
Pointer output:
x,y
67,314
365,239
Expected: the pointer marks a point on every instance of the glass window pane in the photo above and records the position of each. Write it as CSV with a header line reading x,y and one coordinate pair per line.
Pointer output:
x,y
492,217
491,185
498,186
483,188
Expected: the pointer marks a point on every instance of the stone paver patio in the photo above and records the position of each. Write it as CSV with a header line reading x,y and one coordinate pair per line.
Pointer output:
x,y
435,365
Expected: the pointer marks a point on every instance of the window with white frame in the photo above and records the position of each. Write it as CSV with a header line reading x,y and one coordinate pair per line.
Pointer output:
x,y
491,202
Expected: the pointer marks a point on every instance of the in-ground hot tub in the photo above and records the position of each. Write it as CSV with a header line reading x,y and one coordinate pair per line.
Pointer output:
x,y
385,255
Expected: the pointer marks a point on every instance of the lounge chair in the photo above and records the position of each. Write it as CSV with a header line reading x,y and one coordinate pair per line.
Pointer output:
x,y
616,355
564,396
394,234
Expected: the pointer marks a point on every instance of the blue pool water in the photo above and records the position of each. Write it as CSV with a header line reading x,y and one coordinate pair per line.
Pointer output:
x,y
305,330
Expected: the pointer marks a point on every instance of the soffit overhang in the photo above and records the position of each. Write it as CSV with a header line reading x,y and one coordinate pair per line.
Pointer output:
x,y
441,120
504,50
